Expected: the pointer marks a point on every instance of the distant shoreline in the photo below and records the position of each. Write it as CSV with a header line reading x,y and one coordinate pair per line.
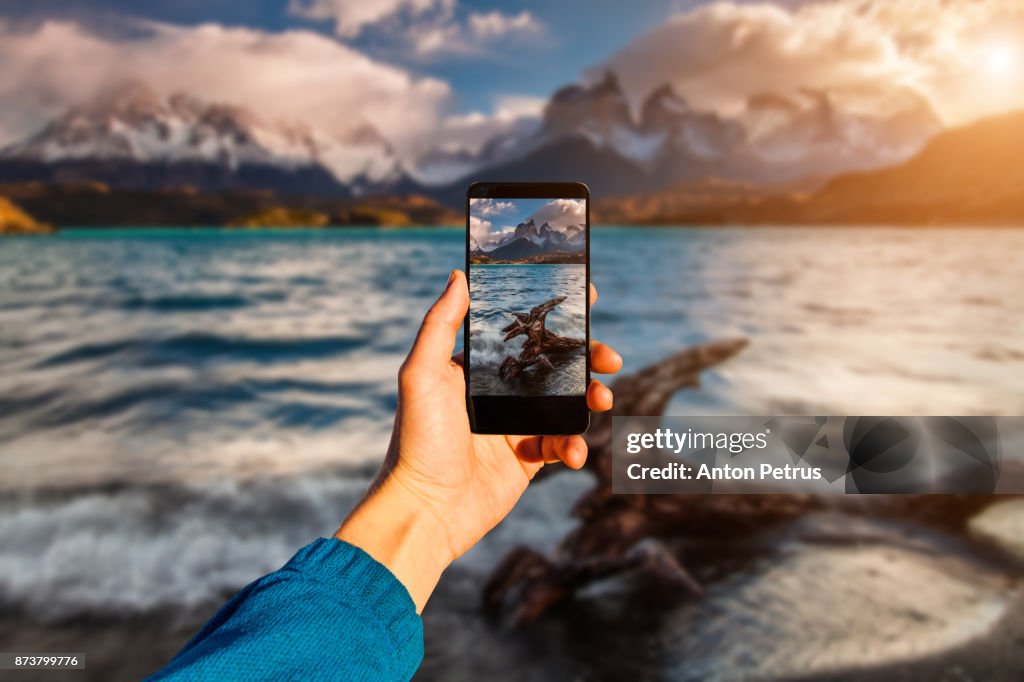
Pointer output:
x,y
499,265
604,226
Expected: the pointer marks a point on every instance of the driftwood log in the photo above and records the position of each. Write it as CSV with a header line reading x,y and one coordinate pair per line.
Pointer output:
x,y
526,583
540,343
620,533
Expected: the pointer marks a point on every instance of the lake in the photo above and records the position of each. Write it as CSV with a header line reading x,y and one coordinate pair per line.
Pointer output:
x,y
182,409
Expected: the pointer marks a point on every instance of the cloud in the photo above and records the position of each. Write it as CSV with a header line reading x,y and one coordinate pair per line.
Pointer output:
x,y
478,227
429,28
519,106
472,37
293,75
496,25
483,231
516,115
720,54
561,213
350,17
492,207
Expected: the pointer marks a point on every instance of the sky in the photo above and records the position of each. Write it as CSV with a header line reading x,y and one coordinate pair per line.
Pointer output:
x,y
493,220
454,72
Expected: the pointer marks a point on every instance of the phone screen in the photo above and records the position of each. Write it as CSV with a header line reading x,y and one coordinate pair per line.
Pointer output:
x,y
528,297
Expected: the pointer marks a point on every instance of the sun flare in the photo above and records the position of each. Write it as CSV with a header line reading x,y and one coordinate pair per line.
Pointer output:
x,y
1001,60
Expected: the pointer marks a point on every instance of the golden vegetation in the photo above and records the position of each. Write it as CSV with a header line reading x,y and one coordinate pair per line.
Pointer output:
x,y
15,221
86,204
281,216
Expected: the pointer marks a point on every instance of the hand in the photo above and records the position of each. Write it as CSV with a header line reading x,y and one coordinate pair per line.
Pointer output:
x,y
442,487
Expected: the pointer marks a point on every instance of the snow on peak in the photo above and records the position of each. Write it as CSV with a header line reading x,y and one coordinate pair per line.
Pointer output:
x,y
132,122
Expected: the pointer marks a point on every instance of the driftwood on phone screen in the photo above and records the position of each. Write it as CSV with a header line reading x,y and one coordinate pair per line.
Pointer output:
x,y
540,344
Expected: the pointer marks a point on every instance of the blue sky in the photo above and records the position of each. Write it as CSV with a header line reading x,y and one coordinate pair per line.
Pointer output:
x,y
574,36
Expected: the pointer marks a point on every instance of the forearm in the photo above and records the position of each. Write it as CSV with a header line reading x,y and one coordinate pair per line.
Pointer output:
x,y
398,530
332,612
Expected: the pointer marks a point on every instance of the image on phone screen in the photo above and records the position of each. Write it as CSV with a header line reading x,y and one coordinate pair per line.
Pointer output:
x,y
528,297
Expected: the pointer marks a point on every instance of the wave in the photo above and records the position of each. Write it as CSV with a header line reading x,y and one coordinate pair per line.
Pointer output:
x,y
130,550
488,349
185,303
202,346
287,402
142,549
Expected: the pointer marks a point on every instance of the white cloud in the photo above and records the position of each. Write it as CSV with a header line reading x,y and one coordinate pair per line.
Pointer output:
x,y
510,107
294,75
448,36
350,17
496,25
561,213
492,207
430,28
719,54
482,231
477,225
516,115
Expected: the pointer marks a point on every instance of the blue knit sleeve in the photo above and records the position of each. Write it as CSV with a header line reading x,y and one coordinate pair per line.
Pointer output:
x,y
331,613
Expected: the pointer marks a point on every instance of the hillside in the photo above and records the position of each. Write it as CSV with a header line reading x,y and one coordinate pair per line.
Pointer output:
x,y
967,175
95,204
550,258
15,221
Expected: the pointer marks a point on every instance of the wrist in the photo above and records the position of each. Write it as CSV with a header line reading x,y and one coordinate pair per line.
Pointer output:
x,y
399,531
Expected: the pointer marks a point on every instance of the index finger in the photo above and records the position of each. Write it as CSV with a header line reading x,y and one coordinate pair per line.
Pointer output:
x,y
593,294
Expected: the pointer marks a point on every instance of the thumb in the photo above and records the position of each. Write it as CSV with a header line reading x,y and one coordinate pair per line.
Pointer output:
x,y
436,338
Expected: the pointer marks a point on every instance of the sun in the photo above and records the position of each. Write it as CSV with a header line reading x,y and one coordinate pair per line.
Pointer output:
x,y
1001,60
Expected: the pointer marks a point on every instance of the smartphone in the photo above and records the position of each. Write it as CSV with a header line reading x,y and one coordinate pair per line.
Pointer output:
x,y
527,334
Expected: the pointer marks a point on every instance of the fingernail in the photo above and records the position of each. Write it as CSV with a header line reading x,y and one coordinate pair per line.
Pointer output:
x,y
451,278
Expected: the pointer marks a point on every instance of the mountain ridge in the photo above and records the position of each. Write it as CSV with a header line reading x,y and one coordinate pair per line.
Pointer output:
x,y
964,175
592,134
130,137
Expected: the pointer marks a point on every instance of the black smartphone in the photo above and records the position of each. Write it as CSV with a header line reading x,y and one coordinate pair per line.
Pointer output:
x,y
527,334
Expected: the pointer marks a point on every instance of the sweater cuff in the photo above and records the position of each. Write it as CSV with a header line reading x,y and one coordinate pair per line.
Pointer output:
x,y
365,582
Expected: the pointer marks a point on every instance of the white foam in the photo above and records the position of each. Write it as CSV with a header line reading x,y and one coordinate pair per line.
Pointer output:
x,y
142,550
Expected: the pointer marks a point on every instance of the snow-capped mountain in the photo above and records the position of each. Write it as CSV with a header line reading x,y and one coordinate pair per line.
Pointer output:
x,y
595,134
542,239
132,137
221,144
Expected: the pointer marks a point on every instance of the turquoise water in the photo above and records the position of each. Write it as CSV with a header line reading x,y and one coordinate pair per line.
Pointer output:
x,y
168,355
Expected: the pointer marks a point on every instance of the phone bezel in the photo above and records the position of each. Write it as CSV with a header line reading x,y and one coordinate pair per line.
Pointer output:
x,y
528,415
